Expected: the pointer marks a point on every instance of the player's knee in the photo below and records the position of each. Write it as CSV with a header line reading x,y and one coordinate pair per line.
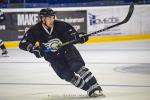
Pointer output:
x,y
76,66
83,70
67,76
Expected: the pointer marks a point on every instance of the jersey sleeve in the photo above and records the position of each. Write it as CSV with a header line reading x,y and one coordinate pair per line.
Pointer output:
x,y
70,32
28,40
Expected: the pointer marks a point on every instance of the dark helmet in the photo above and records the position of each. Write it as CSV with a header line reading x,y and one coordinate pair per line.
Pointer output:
x,y
47,12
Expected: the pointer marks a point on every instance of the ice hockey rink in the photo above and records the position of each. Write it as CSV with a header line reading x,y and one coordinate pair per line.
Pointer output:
x,y
121,68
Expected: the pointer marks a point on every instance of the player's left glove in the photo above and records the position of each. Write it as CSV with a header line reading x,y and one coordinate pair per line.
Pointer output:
x,y
37,51
82,38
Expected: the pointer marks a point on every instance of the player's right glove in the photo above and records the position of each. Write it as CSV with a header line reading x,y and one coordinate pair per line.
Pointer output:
x,y
36,51
81,38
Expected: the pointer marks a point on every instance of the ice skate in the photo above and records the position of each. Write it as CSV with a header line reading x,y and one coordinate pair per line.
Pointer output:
x,y
4,53
96,93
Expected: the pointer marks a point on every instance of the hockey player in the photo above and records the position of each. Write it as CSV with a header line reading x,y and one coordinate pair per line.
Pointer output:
x,y
2,46
66,61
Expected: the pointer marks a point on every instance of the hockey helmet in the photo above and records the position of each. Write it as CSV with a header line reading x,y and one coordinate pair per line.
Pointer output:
x,y
47,12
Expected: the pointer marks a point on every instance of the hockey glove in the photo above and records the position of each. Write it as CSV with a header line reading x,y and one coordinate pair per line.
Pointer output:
x,y
81,38
37,51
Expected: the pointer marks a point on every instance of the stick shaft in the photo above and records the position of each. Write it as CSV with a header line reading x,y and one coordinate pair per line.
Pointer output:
x,y
130,12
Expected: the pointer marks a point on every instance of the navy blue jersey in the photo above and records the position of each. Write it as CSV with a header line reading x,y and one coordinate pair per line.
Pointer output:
x,y
37,33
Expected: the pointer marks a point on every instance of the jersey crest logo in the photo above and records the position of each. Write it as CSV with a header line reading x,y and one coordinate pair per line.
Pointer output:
x,y
53,45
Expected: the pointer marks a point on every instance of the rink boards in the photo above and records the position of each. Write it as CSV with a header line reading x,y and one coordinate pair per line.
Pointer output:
x,y
84,19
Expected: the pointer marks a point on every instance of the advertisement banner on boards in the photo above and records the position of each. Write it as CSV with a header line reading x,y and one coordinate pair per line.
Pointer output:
x,y
103,17
17,23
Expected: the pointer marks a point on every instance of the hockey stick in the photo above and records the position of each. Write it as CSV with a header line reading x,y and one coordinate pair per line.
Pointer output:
x,y
131,9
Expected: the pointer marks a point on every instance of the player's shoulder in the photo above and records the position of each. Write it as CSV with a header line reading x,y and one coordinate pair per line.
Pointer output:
x,y
34,29
37,26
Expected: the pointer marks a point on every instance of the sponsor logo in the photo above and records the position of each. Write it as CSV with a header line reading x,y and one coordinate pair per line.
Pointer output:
x,y
94,20
73,20
27,19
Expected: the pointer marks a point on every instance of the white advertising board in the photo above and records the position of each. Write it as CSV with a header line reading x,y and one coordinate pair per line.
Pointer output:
x,y
106,16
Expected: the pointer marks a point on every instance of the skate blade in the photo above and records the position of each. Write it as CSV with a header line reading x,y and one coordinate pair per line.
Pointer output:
x,y
98,95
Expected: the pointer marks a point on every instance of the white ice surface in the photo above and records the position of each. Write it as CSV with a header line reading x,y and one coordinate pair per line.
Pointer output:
x,y
122,69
